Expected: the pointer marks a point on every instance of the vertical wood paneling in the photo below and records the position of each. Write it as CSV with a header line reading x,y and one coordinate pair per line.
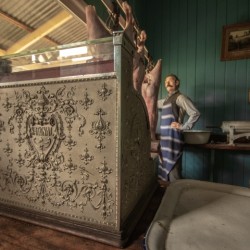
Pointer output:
x,y
191,48
164,42
182,43
182,70
230,88
241,93
241,69
187,34
200,90
230,75
220,67
150,23
220,83
246,173
152,29
200,93
241,98
238,168
174,34
210,61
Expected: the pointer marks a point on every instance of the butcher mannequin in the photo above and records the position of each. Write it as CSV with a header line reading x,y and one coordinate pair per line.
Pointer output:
x,y
174,109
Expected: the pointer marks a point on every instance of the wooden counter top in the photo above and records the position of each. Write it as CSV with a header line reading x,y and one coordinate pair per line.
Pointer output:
x,y
212,146
222,146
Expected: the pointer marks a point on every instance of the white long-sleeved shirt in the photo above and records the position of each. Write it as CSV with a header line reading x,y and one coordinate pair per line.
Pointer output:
x,y
186,107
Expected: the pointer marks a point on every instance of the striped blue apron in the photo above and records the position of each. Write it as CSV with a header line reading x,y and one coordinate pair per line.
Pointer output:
x,y
171,141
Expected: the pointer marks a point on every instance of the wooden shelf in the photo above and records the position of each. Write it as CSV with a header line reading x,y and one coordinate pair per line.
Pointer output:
x,y
222,146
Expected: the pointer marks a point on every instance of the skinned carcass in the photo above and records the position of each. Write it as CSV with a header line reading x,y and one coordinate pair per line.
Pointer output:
x,y
150,90
95,28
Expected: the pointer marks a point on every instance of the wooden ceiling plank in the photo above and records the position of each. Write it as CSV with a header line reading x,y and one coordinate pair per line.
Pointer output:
x,y
40,32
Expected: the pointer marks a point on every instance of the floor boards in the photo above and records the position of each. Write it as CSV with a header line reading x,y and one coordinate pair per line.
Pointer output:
x,y
18,235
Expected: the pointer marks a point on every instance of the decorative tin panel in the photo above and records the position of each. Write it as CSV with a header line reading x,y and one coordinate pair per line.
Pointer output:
x,y
58,144
138,172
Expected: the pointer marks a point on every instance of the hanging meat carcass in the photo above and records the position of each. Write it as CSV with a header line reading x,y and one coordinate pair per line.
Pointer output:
x,y
150,90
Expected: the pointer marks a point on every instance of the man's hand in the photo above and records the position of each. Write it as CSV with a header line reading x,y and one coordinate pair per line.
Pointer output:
x,y
176,125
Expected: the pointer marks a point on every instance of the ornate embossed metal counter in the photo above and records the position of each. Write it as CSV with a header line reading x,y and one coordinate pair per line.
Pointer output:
x,y
75,142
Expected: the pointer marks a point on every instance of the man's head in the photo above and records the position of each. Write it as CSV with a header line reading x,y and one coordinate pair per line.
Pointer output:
x,y
172,83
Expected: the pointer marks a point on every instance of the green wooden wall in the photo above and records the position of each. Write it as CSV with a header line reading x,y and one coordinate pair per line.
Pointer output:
x,y
187,35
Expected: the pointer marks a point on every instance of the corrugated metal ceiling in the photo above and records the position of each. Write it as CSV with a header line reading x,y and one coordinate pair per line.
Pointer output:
x,y
37,24
19,18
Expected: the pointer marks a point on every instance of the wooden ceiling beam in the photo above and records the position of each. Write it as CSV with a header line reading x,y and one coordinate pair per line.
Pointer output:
x,y
75,7
2,52
9,19
4,16
40,32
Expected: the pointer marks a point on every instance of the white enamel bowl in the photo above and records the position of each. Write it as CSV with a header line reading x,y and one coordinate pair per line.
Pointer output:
x,y
196,136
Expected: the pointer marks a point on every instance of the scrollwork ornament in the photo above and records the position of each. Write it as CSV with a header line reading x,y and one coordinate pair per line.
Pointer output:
x,y
70,166
7,105
18,114
99,190
106,201
56,160
84,174
2,127
45,121
69,108
69,142
8,150
86,102
20,161
104,92
100,129
86,157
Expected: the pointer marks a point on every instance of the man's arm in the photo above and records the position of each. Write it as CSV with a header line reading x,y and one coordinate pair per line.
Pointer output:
x,y
160,103
185,103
